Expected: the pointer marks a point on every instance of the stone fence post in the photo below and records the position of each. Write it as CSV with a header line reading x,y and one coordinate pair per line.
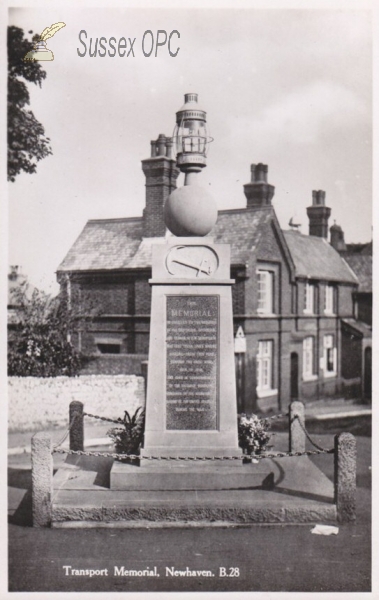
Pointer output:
x,y
345,468
77,429
42,479
296,434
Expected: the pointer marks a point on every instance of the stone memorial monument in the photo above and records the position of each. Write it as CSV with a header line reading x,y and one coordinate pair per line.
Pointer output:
x,y
191,407
191,468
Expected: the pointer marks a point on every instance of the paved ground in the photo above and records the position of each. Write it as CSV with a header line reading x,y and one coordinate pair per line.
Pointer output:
x,y
258,558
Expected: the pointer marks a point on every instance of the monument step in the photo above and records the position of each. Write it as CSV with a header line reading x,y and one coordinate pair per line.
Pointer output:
x,y
301,494
192,476
225,506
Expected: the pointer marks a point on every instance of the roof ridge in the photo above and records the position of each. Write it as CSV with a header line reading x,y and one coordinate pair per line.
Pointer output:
x,y
244,209
116,220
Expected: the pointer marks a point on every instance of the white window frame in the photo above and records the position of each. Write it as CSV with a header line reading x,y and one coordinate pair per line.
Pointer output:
x,y
309,298
330,294
265,305
308,359
265,369
330,351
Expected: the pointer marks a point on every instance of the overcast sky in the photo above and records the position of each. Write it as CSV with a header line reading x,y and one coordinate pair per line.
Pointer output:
x,y
289,88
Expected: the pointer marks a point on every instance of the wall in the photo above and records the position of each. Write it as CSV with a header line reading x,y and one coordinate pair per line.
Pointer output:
x,y
345,300
351,359
122,307
37,403
364,307
114,364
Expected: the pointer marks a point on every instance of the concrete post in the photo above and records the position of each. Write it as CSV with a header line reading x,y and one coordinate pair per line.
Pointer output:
x,y
77,430
296,434
144,373
42,479
345,468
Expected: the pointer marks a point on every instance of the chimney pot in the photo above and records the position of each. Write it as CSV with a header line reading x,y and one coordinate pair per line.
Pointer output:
x,y
161,173
318,198
259,173
337,238
161,145
258,192
169,147
318,215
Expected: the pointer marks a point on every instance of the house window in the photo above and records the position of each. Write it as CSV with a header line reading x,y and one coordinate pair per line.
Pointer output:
x,y
308,359
109,348
330,299
265,292
264,368
309,298
330,356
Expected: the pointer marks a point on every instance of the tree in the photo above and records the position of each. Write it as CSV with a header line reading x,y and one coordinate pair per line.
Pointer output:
x,y
27,143
41,345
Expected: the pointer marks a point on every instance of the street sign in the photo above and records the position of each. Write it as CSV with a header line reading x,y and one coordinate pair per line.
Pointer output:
x,y
240,342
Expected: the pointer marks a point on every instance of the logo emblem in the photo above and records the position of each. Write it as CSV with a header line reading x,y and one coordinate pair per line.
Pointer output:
x,y
40,51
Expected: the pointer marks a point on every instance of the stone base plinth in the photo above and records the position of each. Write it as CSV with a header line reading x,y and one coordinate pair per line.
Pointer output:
x,y
295,491
189,476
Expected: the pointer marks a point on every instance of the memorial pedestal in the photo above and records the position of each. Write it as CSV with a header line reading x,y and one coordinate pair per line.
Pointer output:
x,y
191,406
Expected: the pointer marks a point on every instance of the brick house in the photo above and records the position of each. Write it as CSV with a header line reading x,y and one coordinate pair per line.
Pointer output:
x,y
291,296
357,333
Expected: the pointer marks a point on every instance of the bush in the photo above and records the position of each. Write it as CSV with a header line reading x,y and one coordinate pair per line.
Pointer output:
x,y
253,433
40,345
128,440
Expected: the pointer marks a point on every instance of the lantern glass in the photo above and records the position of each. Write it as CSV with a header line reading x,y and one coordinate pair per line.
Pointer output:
x,y
191,137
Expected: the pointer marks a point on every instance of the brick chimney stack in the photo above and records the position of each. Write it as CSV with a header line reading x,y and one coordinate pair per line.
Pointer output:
x,y
161,174
337,238
258,192
318,215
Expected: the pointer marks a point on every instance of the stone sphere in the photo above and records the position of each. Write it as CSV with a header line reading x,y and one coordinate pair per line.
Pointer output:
x,y
190,211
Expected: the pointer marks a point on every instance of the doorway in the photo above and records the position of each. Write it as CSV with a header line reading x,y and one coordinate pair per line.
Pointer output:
x,y
294,375
367,374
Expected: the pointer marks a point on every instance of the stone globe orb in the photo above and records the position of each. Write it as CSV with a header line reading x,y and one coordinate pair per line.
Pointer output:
x,y
190,211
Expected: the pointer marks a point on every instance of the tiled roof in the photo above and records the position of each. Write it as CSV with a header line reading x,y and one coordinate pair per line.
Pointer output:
x,y
360,248
359,326
367,249
104,244
361,264
118,244
241,229
314,257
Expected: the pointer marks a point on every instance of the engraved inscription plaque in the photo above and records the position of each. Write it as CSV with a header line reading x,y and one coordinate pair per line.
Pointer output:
x,y
192,359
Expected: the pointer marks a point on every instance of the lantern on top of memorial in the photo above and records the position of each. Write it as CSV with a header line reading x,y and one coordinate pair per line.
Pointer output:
x,y
191,139
190,210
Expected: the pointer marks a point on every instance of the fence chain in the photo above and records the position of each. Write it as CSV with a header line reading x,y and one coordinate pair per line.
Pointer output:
x,y
308,436
193,458
277,416
118,421
74,417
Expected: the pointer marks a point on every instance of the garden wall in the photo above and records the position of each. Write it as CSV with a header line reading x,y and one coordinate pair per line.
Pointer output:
x,y
40,402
